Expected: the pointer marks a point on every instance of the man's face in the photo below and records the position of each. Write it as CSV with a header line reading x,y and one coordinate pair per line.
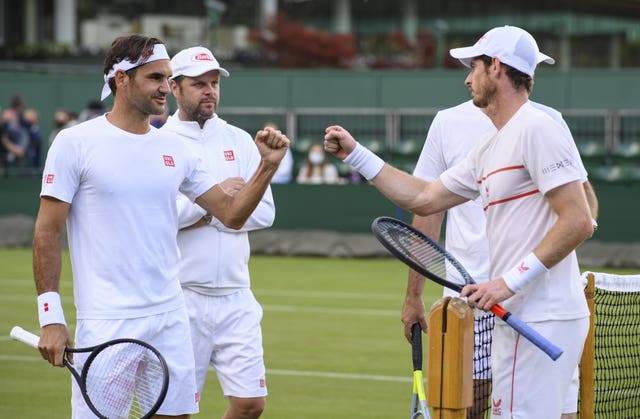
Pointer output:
x,y
197,97
480,83
148,88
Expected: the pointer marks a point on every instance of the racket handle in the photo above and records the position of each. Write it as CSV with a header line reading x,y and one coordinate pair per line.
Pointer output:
x,y
534,337
416,346
18,333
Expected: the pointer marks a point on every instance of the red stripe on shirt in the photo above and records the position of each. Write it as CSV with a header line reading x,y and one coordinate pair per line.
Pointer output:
x,y
500,170
502,201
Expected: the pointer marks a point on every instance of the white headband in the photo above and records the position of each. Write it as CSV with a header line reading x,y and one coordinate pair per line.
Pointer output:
x,y
159,53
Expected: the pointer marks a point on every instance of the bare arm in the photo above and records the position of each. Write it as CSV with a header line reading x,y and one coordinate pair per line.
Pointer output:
x,y
572,227
413,309
407,191
46,271
592,199
233,211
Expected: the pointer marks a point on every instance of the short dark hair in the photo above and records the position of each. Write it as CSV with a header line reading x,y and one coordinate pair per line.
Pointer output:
x,y
129,47
517,77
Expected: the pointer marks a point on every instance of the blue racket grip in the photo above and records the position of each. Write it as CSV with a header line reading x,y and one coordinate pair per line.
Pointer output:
x,y
534,337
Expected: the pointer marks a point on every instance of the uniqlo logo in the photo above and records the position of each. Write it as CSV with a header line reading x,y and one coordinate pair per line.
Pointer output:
x,y
49,178
197,397
46,307
262,383
168,161
229,156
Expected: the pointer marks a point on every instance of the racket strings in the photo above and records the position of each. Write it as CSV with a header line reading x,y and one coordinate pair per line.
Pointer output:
x,y
124,380
416,248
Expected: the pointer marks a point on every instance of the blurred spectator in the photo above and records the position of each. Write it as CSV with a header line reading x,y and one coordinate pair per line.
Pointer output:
x,y
284,174
94,108
60,121
15,139
73,119
317,169
30,124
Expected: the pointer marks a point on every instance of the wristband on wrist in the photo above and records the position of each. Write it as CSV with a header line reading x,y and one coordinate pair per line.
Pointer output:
x,y
524,273
50,309
365,161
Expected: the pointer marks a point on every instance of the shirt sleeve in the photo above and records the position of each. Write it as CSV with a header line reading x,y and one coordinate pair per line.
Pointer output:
x,y
62,173
550,156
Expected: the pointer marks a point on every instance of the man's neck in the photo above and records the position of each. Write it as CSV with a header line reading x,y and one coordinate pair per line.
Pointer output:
x,y
127,119
505,106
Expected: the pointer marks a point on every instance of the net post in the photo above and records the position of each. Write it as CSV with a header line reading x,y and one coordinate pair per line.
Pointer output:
x,y
587,402
450,359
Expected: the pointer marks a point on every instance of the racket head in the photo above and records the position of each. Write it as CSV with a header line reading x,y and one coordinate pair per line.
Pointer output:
x,y
125,378
418,251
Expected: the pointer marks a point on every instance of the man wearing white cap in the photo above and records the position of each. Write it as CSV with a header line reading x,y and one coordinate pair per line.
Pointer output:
x,y
529,180
114,181
452,135
224,314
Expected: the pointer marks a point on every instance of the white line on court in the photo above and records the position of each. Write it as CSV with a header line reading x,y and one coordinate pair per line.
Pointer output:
x,y
289,373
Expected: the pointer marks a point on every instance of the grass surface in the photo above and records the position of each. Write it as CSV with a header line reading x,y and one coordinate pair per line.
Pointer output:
x,y
333,340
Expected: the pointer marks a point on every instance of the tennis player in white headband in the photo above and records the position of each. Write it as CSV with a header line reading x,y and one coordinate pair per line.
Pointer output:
x,y
159,53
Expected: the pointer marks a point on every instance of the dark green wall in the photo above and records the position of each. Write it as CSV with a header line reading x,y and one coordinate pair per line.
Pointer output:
x,y
351,208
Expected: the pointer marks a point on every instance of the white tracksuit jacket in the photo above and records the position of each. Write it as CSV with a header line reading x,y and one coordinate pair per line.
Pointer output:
x,y
214,258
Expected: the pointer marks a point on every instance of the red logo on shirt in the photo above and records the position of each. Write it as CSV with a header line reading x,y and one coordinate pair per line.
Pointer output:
x,y
49,178
168,161
262,383
46,307
229,156
197,397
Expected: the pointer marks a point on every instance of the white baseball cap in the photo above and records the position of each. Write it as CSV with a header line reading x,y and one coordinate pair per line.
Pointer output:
x,y
194,62
512,45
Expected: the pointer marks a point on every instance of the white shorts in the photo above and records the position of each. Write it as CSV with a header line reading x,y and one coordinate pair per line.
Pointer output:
x,y
226,334
168,333
526,382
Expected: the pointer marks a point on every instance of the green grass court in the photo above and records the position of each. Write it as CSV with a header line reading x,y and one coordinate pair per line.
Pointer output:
x,y
333,340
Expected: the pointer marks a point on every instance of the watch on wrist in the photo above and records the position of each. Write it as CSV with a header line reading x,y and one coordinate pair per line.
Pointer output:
x,y
207,218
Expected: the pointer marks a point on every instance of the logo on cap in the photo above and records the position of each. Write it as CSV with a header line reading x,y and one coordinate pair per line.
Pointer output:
x,y
203,57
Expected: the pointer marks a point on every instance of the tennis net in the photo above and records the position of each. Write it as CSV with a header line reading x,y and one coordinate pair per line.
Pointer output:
x,y
610,366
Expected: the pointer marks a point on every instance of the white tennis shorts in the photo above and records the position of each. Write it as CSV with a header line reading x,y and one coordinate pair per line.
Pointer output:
x,y
526,382
169,334
227,335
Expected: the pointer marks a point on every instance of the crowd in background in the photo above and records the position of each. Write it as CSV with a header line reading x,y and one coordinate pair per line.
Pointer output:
x,y
23,145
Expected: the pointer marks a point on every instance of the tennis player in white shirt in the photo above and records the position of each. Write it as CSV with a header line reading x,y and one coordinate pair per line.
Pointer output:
x,y
537,214
224,314
452,135
114,181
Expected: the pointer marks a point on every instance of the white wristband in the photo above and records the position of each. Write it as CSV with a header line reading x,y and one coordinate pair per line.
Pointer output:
x,y
524,273
365,161
50,309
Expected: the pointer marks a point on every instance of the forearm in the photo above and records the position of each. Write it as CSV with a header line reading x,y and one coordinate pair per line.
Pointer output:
x,y
47,260
233,211
565,235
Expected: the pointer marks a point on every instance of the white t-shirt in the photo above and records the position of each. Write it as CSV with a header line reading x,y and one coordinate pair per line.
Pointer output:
x,y
214,258
511,170
452,135
122,224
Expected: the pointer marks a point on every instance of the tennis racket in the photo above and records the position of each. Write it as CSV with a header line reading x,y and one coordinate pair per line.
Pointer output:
x,y
419,400
122,378
426,257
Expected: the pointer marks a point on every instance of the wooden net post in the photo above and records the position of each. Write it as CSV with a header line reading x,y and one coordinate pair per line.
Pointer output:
x,y
450,359
587,402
